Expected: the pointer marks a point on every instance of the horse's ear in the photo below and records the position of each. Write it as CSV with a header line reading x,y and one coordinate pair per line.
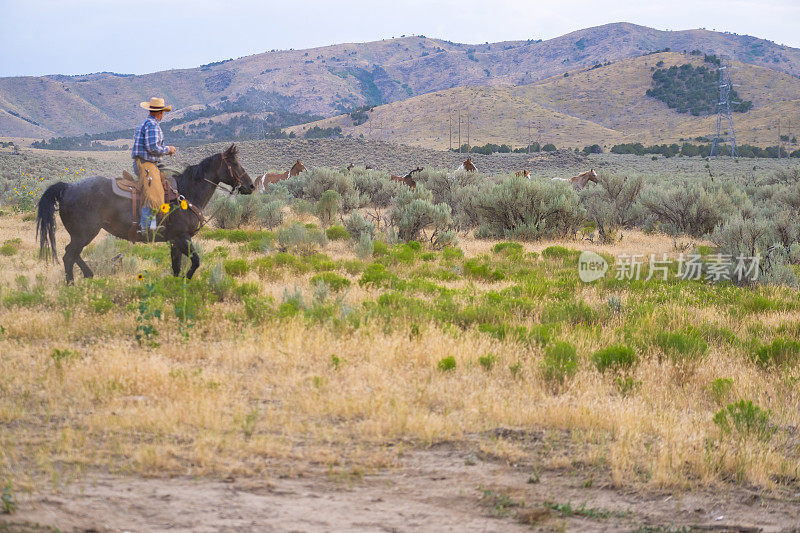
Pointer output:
x,y
232,150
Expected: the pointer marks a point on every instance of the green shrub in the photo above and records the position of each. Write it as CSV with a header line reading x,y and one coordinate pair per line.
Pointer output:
x,y
60,356
357,226
451,252
744,419
447,364
720,389
376,275
508,248
560,363
415,212
559,252
615,358
380,248
519,208
780,353
328,206
297,238
228,213
571,311
686,347
487,361
249,288
101,305
337,233
236,267
10,247
474,268
334,281
218,280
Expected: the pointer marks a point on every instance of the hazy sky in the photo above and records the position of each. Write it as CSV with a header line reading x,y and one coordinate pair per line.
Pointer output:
x,y
81,36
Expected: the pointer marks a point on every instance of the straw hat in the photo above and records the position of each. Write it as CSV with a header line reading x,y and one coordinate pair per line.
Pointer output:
x,y
155,104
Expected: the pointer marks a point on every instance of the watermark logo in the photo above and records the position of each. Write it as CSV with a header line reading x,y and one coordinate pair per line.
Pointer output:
x,y
591,266
713,268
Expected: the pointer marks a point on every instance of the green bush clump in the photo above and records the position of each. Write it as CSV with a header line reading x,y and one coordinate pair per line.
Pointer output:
x,y
522,209
570,311
337,233
508,248
681,347
328,206
11,246
236,267
720,389
487,361
101,305
376,275
744,419
244,290
560,363
447,364
559,252
380,248
300,239
779,353
333,280
451,252
475,268
617,357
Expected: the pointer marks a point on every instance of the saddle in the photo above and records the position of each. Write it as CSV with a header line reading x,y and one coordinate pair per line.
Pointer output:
x,y
128,187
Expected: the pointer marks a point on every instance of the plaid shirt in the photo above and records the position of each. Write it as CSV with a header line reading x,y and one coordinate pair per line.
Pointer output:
x,y
148,143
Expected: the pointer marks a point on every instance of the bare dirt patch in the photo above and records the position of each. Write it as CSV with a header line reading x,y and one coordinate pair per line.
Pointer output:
x,y
444,488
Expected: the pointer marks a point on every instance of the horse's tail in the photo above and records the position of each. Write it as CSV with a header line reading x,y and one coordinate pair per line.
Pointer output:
x,y
46,220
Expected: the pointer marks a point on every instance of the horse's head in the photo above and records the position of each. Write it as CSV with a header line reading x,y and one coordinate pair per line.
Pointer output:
x,y
231,172
468,165
592,175
297,168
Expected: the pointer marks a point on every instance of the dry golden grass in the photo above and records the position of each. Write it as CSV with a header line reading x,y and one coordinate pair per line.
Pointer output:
x,y
236,397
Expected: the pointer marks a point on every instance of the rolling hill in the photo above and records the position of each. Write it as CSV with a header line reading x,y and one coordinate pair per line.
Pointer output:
x,y
605,105
330,80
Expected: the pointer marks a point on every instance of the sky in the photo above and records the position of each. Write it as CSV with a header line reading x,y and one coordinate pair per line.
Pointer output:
x,y
81,36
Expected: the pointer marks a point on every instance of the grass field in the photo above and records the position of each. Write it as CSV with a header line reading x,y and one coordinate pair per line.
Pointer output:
x,y
282,362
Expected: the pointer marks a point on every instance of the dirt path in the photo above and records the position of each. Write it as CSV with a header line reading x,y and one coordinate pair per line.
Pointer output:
x,y
434,490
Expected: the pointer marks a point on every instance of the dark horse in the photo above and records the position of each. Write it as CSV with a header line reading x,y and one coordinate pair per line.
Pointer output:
x,y
90,204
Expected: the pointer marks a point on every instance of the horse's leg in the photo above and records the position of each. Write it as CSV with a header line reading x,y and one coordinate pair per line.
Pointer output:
x,y
195,259
176,254
184,247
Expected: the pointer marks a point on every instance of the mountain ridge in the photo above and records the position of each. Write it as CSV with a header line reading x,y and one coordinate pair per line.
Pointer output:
x,y
329,80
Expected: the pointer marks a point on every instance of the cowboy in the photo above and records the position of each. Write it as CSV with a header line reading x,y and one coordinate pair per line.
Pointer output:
x,y
148,150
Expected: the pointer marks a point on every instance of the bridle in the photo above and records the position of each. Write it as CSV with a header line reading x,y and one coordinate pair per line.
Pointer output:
x,y
231,174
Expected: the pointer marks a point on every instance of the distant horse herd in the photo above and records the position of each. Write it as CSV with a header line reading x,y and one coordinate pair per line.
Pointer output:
x,y
578,182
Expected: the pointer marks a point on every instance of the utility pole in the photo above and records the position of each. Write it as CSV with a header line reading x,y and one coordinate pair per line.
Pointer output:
x,y
529,137
469,148
459,131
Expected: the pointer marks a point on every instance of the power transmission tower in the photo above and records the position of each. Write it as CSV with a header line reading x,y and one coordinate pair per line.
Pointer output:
x,y
724,110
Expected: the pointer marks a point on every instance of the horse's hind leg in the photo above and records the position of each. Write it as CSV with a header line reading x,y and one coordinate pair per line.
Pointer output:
x,y
176,255
72,255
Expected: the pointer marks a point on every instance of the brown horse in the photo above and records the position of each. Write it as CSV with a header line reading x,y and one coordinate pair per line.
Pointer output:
x,y
262,181
523,173
579,182
467,166
407,179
